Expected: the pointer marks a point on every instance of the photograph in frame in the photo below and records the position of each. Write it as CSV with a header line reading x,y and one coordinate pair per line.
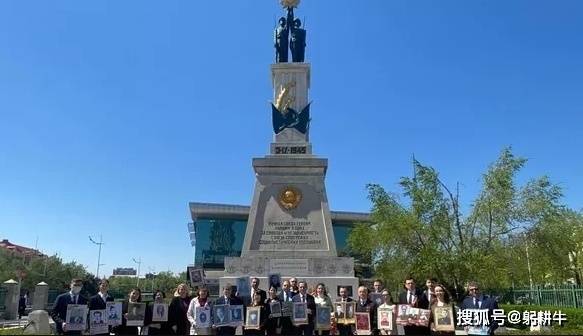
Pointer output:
x,y
385,318
443,318
76,317
160,312
350,310
377,298
113,313
275,309
136,314
402,317
323,318
287,309
237,318
475,328
221,315
203,317
243,287
196,276
300,313
423,318
339,308
348,290
362,323
275,280
98,322
253,318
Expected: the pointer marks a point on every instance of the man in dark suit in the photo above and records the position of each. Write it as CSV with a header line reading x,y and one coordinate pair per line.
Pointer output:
x,y
429,292
98,301
477,300
286,295
413,297
59,312
365,305
256,290
303,296
228,298
343,329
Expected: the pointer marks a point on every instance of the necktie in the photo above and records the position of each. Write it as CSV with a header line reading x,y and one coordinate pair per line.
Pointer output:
x,y
410,298
75,299
476,303
303,300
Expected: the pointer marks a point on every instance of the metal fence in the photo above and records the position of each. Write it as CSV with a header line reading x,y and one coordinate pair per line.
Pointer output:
x,y
555,295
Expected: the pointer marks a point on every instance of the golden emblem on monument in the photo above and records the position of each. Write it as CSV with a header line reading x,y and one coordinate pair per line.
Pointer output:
x,y
290,197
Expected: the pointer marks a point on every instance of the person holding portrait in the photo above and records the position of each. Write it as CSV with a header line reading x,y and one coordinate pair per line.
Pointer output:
x,y
177,319
202,300
441,299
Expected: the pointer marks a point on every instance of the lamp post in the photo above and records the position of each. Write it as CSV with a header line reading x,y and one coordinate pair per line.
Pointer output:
x,y
139,262
99,253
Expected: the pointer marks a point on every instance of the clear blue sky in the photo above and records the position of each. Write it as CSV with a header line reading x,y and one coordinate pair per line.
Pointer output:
x,y
115,114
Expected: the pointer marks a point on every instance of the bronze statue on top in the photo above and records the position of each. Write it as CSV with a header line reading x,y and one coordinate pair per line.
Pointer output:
x,y
289,26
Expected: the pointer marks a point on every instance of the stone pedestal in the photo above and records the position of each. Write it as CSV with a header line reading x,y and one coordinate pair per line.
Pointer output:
x,y
38,323
41,296
12,297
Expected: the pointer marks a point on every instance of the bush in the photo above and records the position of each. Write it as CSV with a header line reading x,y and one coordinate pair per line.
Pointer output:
x,y
574,317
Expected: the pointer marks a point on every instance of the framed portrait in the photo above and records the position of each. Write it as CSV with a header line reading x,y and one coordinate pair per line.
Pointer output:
x,y
243,287
350,309
362,323
300,313
113,310
339,312
385,318
475,328
160,312
275,280
221,315
98,322
76,317
348,290
275,309
287,309
253,318
323,318
443,318
479,330
402,314
377,298
136,314
196,276
423,317
237,317
203,317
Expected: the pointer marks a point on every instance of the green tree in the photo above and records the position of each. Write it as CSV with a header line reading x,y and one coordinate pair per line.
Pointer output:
x,y
428,235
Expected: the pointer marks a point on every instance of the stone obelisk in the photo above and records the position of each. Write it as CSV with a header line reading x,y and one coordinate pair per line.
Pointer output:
x,y
289,230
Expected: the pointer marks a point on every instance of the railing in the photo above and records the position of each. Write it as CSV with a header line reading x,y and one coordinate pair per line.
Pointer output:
x,y
554,295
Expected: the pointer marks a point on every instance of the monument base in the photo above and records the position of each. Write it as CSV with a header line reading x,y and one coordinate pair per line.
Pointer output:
x,y
333,272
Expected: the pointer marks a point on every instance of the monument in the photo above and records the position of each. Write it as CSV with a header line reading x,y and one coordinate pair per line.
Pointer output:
x,y
289,229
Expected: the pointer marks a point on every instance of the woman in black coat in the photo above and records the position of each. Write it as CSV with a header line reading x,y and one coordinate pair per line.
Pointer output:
x,y
177,310
272,323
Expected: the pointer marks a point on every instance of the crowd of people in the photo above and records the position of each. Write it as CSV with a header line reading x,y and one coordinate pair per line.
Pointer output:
x,y
182,309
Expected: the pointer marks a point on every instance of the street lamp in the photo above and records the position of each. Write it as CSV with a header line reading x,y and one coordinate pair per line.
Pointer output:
x,y
99,253
139,262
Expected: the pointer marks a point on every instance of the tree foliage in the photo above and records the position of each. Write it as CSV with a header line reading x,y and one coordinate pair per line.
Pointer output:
x,y
427,234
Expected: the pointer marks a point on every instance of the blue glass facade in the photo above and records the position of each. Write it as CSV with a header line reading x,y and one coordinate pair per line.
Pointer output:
x,y
222,237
